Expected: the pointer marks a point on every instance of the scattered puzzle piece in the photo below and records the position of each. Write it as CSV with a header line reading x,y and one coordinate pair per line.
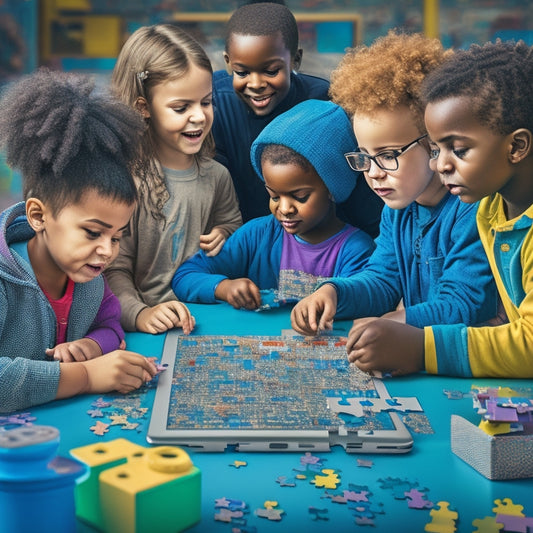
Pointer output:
x,y
100,428
238,464
487,525
443,520
285,482
329,481
365,463
507,507
269,511
417,500
318,514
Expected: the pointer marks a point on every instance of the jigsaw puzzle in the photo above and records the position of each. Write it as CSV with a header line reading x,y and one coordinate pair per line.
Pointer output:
x,y
258,382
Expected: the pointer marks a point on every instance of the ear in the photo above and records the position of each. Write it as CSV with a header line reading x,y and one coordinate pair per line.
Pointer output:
x,y
226,61
297,60
35,213
142,107
521,145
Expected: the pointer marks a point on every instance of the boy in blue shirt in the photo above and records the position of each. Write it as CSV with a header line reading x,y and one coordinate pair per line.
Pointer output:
x,y
262,57
429,266
299,157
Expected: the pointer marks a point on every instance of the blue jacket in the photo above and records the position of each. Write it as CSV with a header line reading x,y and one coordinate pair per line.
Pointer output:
x,y
28,322
254,252
236,127
430,257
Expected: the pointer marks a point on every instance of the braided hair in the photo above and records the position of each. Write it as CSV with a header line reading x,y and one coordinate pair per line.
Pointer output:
x,y
67,136
497,77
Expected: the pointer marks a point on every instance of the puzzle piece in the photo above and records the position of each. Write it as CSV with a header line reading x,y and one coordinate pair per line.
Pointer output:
x,y
417,500
285,482
365,509
329,481
365,463
318,514
99,428
230,504
399,486
443,520
487,525
225,515
507,507
364,521
269,511
238,464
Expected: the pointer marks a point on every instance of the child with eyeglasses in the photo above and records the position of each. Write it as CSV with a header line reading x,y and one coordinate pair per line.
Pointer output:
x,y
479,116
429,266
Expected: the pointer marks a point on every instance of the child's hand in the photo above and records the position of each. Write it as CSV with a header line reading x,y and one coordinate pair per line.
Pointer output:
x,y
165,316
241,293
120,371
80,350
212,243
386,346
315,313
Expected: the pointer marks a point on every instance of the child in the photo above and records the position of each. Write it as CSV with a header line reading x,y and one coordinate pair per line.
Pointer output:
x,y
299,157
57,315
189,202
428,255
479,117
262,58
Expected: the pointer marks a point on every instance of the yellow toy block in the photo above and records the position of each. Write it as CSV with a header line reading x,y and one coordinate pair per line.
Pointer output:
x,y
158,494
100,457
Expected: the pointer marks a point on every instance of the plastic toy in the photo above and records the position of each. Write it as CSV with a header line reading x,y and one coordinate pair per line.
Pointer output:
x,y
36,486
100,457
157,493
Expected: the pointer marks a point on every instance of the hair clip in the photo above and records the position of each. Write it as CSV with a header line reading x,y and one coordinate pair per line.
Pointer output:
x,y
141,76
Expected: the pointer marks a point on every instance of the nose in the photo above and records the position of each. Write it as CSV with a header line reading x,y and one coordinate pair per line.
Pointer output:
x,y
286,206
442,163
255,81
105,248
374,172
197,114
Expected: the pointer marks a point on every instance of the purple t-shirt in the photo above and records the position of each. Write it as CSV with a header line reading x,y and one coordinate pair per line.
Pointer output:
x,y
303,265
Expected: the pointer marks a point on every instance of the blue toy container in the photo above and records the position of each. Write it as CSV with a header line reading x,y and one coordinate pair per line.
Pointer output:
x,y
36,486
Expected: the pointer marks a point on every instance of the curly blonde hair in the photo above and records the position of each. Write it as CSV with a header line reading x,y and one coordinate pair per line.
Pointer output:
x,y
386,74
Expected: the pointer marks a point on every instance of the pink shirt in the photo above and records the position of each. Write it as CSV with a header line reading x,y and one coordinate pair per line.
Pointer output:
x,y
61,309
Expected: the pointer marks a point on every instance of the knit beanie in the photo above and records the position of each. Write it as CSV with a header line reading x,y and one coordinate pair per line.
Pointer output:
x,y
321,132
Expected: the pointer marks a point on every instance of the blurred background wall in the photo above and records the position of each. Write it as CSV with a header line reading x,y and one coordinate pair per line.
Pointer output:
x,y
86,35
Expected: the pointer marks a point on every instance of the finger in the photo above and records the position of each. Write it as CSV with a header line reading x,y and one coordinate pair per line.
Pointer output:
x,y
76,353
216,248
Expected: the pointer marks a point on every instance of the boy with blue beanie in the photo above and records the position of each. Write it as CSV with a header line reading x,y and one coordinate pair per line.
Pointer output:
x,y
299,157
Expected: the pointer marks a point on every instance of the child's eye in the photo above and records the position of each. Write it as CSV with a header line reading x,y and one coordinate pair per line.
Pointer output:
x,y
207,103
240,73
460,152
301,199
92,234
181,109
434,153
272,72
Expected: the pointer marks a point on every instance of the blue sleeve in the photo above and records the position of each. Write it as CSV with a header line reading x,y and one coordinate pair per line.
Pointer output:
x,y
354,255
463,290
377,289
451,341
253,251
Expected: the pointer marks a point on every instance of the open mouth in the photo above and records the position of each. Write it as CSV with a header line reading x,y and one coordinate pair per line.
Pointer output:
x,y
193,134
260,101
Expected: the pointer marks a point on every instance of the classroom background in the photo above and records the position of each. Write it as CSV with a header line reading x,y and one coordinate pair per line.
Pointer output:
x,y
86,35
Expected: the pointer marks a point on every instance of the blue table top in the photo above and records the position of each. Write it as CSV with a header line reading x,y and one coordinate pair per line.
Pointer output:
x,y
430,466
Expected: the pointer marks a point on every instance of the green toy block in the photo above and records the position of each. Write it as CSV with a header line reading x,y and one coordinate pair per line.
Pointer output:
x,y
100,457
158,494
